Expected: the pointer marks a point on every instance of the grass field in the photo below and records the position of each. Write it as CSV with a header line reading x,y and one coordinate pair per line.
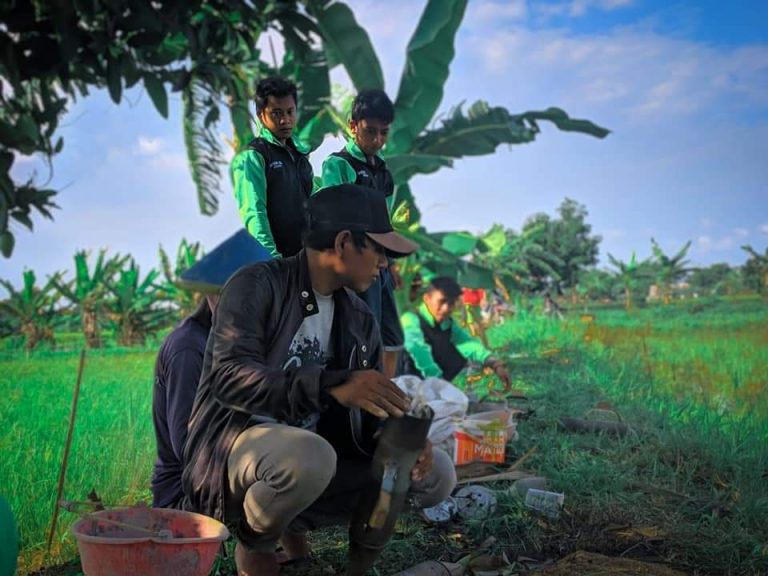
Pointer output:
x,y
688,487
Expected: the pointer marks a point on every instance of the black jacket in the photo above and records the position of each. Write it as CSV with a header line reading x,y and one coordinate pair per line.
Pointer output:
x,y
289,183
177,373
376,176
260,309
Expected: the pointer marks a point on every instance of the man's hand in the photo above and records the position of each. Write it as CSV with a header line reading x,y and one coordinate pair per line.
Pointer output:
x,y
501,371
423,464
373,392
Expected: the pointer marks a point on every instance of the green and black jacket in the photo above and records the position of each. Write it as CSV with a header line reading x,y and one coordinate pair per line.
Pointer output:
x,y
351,166
439,350
271,183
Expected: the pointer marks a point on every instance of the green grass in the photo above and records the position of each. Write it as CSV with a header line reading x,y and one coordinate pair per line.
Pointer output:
x,y
112,444
691,383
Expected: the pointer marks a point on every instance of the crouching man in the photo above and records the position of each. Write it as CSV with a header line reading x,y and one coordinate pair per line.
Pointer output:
x,y
291,395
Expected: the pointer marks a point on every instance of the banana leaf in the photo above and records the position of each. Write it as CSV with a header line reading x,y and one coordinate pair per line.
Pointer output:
x,y
203,147
348,43
483,128
404,166
429,55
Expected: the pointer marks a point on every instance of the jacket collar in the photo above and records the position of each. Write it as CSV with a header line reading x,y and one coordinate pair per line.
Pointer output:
x,y
292,142
355,151
429,319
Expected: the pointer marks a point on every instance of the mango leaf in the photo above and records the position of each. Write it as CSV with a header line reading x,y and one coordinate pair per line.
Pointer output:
x,y
404,166
157,93
345,41
429,55
6,243
113,79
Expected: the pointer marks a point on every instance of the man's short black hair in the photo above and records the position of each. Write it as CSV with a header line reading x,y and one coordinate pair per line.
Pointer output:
x,y
276,86
447,286
326,240
373,104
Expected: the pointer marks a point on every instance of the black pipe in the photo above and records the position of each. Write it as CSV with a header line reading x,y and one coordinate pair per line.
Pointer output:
x,y
401,442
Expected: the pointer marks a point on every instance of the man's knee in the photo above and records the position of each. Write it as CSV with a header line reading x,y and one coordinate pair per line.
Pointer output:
x,y
291,469
438,484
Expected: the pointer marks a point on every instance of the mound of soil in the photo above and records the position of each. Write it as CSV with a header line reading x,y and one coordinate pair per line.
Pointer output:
x,y
589,564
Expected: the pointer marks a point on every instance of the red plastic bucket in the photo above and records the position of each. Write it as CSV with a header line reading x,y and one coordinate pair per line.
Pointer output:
x,y
148,541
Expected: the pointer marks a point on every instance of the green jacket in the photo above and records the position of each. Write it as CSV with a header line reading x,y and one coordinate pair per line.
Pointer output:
x,y
421,353
336,170
250,187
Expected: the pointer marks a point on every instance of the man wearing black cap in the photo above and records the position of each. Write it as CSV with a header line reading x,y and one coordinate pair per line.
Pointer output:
x,y
291,394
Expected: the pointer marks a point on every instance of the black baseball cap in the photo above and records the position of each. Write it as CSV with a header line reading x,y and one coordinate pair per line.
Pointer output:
x,y
358,209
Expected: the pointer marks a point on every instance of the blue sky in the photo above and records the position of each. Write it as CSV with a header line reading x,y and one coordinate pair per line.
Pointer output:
x,y
682,85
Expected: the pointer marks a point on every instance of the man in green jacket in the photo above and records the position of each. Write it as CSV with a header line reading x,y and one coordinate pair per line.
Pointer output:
x,y
272,177
359,163
436,345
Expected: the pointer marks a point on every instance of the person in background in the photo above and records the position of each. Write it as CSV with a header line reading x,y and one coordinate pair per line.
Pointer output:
x,y
284,422
272,178
359,163
177,372
180,361
435,344
474,299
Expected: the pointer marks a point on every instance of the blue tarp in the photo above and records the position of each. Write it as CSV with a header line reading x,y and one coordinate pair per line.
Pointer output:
x,y
212,271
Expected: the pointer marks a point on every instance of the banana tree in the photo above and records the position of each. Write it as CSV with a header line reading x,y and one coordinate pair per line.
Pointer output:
x,y
133,310
187,254
88,289
415,146
755,271
32,310
628,274
670,269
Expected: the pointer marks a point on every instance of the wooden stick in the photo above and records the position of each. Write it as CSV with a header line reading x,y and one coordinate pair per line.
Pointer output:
x,y
511,473
67,444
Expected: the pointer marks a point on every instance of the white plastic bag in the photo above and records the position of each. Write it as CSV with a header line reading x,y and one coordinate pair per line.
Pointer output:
x,y
448,403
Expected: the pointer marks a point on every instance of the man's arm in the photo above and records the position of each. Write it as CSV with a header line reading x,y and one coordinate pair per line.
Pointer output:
x,y
183,375
250,185
336,170
469,346
417,347
240,378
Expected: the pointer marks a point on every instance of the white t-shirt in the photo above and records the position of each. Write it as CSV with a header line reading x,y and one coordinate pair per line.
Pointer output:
x,y
310,343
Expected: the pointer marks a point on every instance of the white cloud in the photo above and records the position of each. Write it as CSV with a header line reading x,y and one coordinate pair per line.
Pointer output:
x,y
147,146
706,222
494,11
644,76
741,232
706,244
577,8
764,229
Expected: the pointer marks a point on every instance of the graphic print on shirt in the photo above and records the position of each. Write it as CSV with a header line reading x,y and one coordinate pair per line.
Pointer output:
x,y
310,343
